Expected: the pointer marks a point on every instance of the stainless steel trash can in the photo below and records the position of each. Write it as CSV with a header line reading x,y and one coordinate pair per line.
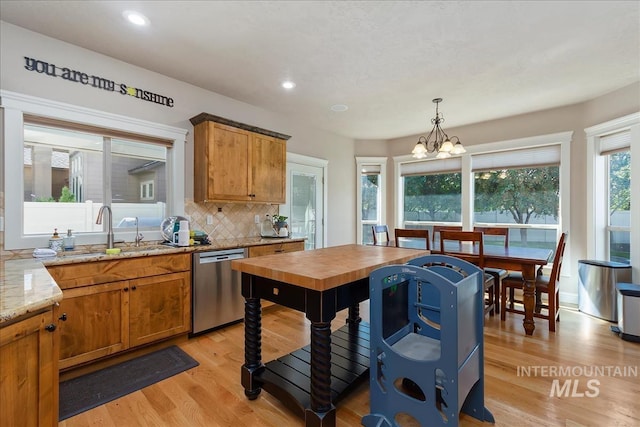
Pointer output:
x,y
629,311
597,295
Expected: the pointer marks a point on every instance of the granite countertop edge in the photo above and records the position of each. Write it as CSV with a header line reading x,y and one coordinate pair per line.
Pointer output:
x,y
27,287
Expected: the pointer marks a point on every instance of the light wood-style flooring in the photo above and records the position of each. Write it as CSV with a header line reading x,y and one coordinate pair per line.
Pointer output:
x,y
211,395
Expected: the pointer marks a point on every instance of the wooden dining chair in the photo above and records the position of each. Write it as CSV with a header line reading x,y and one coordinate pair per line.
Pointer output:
x,y
438,228
378,232
498,274
453,243
544,285
412,233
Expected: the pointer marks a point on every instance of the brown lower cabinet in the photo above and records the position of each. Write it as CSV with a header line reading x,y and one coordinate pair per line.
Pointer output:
x,y
105,318
275,248
29,371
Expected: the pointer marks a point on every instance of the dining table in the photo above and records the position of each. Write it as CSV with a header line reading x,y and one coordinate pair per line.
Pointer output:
x,y
514,258
320,282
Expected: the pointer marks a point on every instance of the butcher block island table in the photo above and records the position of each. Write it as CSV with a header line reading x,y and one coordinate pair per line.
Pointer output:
x,y
319,283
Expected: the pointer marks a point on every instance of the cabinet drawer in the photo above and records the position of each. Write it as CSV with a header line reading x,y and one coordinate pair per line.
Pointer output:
x,y
97,272
275,248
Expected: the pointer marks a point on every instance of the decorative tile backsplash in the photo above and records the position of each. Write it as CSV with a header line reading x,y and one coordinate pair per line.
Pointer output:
x,y
229,221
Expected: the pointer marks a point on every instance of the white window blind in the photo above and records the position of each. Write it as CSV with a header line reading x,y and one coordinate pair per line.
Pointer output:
x,y
615,142
545,155
453,164
371,169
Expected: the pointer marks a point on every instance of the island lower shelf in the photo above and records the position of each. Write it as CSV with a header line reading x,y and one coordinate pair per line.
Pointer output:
x,y
289,377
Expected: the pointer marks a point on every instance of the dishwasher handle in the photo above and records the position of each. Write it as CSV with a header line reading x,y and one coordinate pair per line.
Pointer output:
x,y
219,257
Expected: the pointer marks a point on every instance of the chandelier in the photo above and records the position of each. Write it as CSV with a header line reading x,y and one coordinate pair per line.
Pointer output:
x,y
441,142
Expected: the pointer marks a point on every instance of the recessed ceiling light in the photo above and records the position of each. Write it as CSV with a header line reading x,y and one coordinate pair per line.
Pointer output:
x,y
288,84
338,108
135,18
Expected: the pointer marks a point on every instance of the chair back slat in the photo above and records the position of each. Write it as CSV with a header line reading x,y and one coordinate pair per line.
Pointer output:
x,y
476,238
557,261
412,233
438,228
495,231
378,230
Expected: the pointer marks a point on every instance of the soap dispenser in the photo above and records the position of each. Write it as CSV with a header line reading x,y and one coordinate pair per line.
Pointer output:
x,y
69,241
55,242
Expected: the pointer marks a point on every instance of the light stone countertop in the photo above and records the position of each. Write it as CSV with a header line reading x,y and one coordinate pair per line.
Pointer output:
x,y
27,287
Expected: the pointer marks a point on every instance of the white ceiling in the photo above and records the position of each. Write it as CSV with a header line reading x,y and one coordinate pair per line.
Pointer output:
x,y
386,60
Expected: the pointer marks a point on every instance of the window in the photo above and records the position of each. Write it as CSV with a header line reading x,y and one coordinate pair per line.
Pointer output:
x,y
146,190
520,189
431,193
612,153
68,157
432,198
65,185
371,190
619,189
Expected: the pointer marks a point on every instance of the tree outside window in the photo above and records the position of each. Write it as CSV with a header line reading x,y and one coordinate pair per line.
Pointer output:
x,y
520,196
619,206
433,197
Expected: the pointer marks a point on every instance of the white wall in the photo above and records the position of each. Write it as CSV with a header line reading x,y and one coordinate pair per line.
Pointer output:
x,y
16,43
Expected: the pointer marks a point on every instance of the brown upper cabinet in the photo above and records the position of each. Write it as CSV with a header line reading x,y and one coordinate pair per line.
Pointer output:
x,y
237,162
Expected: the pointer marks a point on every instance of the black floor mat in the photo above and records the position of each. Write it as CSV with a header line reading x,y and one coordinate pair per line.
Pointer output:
x,y
88,391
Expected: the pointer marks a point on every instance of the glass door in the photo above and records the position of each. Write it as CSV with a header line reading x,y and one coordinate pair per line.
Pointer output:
x,y
304,207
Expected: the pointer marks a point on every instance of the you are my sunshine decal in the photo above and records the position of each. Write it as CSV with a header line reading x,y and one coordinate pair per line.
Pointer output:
x,y
42,67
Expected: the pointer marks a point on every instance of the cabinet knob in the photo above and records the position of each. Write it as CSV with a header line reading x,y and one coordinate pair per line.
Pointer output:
x,y
126,289
50,327
133,288
63,317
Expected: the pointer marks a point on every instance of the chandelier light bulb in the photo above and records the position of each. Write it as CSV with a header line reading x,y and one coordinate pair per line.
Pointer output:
x,y
447,146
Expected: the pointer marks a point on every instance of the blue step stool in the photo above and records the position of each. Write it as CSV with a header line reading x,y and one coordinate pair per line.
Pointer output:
x,y
426,343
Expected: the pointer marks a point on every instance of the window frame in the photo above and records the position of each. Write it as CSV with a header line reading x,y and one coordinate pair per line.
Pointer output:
x,y
598,193
147,192
15,106
361,162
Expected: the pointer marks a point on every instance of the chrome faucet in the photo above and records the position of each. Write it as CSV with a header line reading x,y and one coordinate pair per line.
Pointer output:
x,y
139,235
110,232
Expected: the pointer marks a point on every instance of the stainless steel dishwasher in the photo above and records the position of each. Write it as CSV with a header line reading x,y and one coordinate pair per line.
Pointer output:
x,y
217,295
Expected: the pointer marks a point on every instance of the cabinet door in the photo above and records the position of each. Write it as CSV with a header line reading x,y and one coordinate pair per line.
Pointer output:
x,y
268,169
97,322
228,166
29,380
160,307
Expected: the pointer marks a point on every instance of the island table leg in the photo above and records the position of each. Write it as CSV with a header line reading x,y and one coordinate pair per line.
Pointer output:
x,y
252,347
353,318
322,412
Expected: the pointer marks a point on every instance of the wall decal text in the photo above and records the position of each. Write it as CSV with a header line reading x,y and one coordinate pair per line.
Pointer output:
x,y
42,67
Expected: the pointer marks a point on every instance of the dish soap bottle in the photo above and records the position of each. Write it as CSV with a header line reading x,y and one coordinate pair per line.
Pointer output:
x,y
55,242
69,241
